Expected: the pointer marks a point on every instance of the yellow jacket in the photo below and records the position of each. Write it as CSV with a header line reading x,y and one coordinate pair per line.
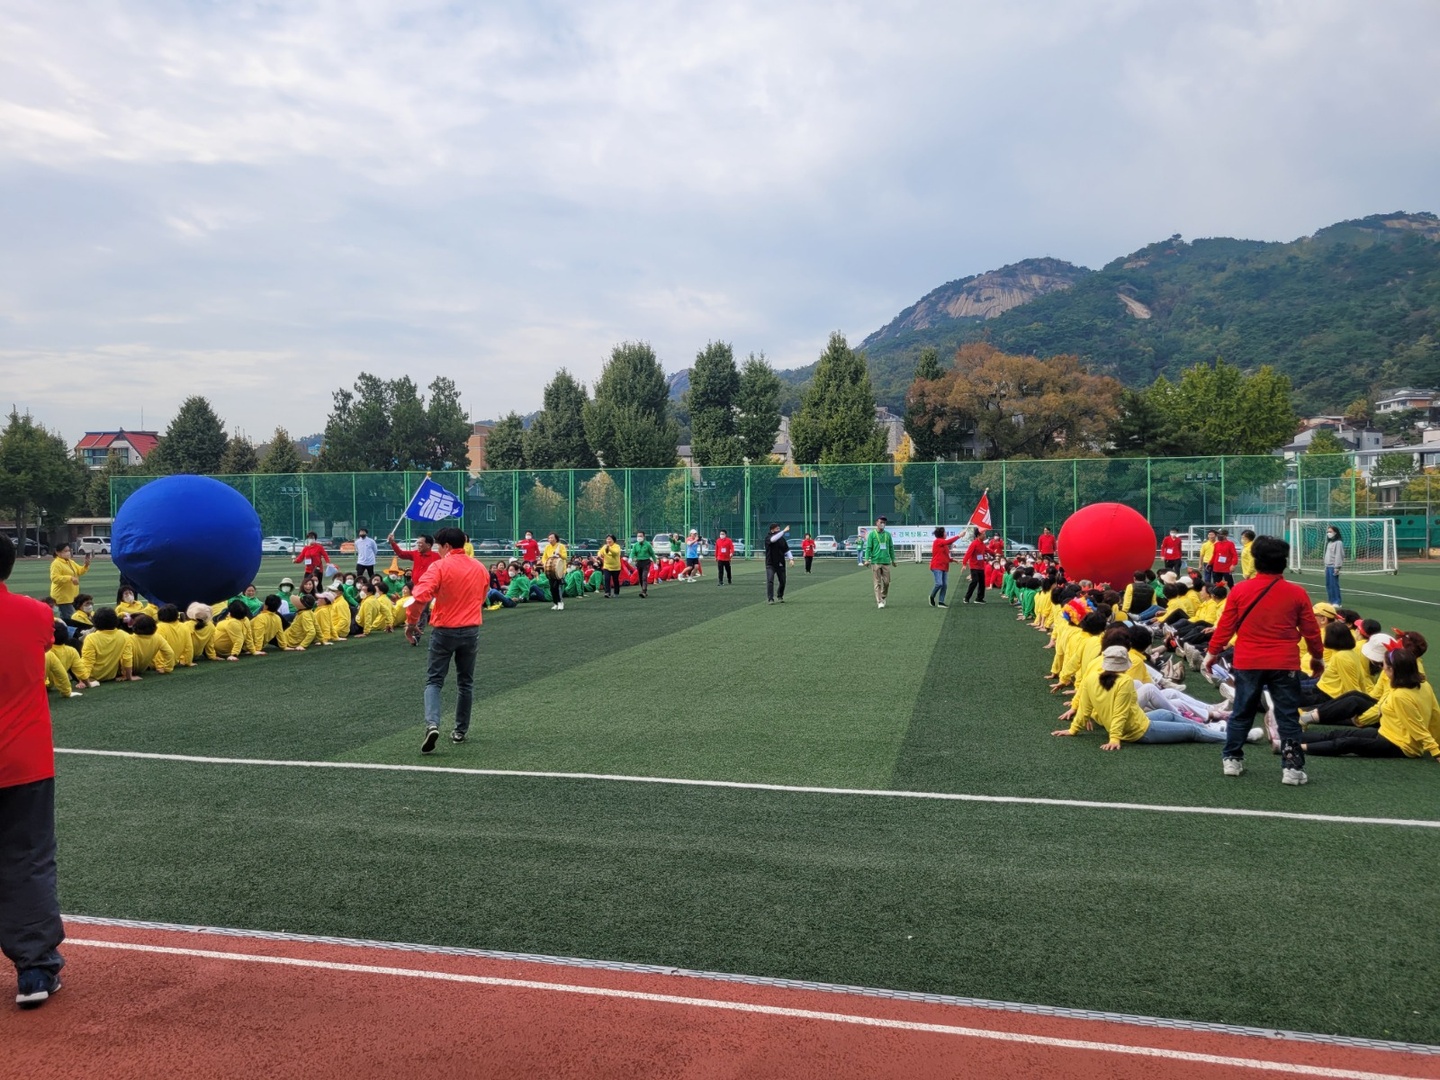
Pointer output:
x,y
1207,552
1247,562
340,616
105,653
1044,606
1411,720
231,638
1117,710
1345,670
181,641
397,613
152,651
264,628
65,577
610,556
200,638
324,628
301,632
134,607
1083,649
1189,603
1209,611
61,661
375,615
556,549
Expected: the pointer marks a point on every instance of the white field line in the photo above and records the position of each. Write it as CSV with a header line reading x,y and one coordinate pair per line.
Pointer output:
x,y
751,1008
1345,589
794,789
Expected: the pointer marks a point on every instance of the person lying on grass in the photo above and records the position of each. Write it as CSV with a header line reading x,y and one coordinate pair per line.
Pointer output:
x,y
1107,699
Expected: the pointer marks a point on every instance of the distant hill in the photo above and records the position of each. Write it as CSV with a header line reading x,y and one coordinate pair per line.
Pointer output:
x,y
1350,309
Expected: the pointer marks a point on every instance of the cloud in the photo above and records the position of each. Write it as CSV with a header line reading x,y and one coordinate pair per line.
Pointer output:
x,y
256,201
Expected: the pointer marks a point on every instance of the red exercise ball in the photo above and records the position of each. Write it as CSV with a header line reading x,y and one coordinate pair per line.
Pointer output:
x,y
1106,542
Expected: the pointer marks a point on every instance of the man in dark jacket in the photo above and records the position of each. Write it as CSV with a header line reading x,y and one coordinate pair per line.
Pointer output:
x,y
777,548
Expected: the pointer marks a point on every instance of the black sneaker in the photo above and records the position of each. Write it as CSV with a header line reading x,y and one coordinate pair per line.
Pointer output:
x,y
457,736
942,604
35,987
432,736
979,601
932,600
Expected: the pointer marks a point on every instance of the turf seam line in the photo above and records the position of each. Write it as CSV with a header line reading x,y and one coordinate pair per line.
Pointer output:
x,y
919,997
1363,592
741,785
757,1009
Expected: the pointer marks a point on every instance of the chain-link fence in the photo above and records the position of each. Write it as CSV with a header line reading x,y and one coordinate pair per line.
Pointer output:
x,y
836,500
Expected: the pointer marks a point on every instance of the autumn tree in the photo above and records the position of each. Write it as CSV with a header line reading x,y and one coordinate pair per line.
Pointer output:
x,y
935,431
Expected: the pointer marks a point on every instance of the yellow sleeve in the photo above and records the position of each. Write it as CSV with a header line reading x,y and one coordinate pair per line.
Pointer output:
x,y
164,658
87,657
127,653
1083,704
340,619
1074,656
55,676
1405,721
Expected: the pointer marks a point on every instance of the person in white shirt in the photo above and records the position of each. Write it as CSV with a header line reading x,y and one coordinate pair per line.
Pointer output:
x,y
365,552
1334,561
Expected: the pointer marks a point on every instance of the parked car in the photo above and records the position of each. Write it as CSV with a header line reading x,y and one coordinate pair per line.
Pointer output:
x,y
278,545
852,544
493,547
661,543
92,545
825,544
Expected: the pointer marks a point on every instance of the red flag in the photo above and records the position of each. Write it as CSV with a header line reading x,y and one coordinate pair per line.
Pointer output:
x,y
981,516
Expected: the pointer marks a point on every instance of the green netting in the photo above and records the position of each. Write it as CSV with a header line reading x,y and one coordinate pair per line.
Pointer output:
x,y
584,505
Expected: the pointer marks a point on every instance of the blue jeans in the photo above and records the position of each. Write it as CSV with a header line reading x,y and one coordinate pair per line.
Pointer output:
x,y
1149,613
1284,687
1332,585
942,582
495,596
1171,727
462,643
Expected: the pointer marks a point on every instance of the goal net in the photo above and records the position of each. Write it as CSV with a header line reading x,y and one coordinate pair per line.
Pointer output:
x,y
1369,545
1197,534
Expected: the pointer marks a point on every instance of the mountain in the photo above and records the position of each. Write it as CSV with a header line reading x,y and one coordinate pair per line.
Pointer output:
x,y
1344,312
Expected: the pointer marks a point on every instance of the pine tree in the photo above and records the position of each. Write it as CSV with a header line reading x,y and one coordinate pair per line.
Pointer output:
x,y
505,447
193,443
628,423
282,456
758,404
239,457
714,388
556,439
836,424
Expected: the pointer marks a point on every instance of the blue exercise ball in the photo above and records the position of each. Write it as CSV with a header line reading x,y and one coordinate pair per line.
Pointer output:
x,y
183,539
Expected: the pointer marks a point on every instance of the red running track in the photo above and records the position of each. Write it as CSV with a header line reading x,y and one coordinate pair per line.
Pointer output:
x,y
148,1003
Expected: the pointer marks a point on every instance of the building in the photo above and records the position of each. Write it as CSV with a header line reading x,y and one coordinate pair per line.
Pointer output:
x,y
1407,397
475,447
97,446
1365,443
894,428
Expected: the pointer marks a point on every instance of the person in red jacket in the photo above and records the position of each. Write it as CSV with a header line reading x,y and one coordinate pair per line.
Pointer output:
x,y
458,585
1223,560
724,552
1172,551
1045,546
424,556
1267,616
30,926
807,549
974,560
994,545
529,548
313,556
940,565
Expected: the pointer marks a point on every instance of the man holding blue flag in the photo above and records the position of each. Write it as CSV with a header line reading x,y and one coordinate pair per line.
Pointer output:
x,y
430,503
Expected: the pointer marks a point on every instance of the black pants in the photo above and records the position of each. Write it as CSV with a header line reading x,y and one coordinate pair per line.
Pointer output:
x,y
977,581
364,573
809,559
722,571
1343,709
1173,565
612,581
30,927
644,570
1362,742
774,576
557,590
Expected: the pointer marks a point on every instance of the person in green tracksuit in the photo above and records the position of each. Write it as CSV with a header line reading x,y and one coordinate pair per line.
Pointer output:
x,y
574,581
642,554
880,557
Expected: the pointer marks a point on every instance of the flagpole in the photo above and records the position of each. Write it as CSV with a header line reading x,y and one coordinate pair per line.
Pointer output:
x,y
408,499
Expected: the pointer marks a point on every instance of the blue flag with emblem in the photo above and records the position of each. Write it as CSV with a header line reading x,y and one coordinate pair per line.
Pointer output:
x,y
433,503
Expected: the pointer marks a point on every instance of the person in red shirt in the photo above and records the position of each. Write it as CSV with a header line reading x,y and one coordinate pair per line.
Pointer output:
x,y
1223,560
529,548
1267,616
30,926
724,552
940,565
313,556
976,556
1046,544
994,545
423,557
1172,551
458,585
807,549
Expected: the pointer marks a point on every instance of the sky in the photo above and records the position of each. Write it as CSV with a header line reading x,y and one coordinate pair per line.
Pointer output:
x,y
258,201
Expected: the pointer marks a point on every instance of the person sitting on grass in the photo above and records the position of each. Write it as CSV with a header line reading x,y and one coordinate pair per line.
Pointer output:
x,y
1409,723
1106,699
1362,709
302,632
266,627
151,652
232,634
128,605
574,584
200,620
62,660
523,589
377,613
342,615
176,634
324,618
108,653
1082,647
1346,669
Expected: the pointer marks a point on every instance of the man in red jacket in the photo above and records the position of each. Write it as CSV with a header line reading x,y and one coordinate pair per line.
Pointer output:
x,y
976,556
458,585
1223,560
1046,544
724,552
1267,616
1172,551
30,927
423,557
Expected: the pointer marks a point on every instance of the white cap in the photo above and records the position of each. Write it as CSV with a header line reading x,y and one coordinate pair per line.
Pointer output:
x,y
1115,658
1375,647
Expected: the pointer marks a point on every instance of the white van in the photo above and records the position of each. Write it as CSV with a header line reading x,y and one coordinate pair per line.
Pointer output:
x,y
92,545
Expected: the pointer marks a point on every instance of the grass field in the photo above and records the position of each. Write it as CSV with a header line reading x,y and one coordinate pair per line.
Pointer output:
x,y
1305,924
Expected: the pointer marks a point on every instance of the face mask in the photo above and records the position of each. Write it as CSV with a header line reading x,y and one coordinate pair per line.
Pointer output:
x,y
286,589
88,608
128,598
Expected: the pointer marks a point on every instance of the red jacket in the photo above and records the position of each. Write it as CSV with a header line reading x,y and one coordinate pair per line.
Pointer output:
x,y
423,560
995,546
976,554
1279,620
724,549
1046,544
529,549
458,585
1170,549
1224,557
807,547
940,553
314,558
27,630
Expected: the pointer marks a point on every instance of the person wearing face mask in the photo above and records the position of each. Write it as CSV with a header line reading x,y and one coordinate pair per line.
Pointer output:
x,y
366,551
127,605
80,619
724,552
1334,561
642,554
284,592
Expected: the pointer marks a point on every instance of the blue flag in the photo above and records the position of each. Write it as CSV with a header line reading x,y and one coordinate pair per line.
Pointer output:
x,y
433,503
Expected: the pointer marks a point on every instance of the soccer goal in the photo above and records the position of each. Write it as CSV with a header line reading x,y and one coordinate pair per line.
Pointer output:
x,y
1369,545
1197,533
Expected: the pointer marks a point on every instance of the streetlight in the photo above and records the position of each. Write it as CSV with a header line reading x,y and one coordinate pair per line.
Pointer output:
x,y
294,493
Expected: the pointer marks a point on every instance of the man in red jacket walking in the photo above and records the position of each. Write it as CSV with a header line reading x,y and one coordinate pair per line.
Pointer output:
x,y
1223,560
458,585
423,557
975,559
30,927
1267,616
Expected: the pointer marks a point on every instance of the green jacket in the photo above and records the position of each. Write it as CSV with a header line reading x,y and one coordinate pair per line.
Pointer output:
x,y
519,588
574,583
880,547
254,603
642,551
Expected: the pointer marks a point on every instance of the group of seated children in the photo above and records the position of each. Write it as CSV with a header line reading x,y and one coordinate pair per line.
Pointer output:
x,y
520,581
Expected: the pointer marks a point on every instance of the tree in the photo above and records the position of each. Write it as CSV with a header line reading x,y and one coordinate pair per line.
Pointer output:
x,y
447,425
386,425
193,443
556,439
1141,429
1357,413
934,431
357,432
96,501
758,407
835,424
628,423
38,473
239,457
1326,457
282,457
1224,411
1394,466
505,448
712,403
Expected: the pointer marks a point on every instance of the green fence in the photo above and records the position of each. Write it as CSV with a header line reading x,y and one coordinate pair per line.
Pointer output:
x,y
1025,496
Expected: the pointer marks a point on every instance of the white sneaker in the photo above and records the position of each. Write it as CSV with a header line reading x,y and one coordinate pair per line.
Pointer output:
x,y
879,603
1255,735
1233,766
1227,691
554,607
1293,777
560,606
